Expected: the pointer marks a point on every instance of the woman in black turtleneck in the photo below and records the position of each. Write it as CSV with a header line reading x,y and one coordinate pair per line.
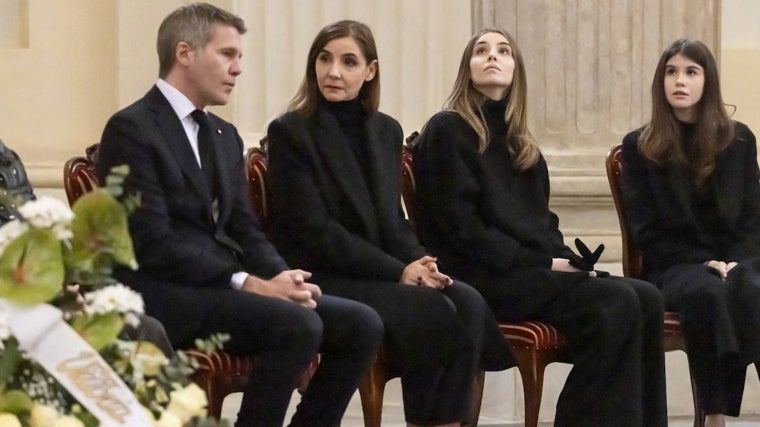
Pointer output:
x,y
334,175
691,191
483,205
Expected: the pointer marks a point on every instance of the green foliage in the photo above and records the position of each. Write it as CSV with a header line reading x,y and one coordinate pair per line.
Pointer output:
x,y
15,401
115,183
212,343
101,239
31,268
98,330
9,362
48,248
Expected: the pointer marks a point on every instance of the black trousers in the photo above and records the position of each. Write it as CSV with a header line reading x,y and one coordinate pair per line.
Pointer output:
x,y
720,321
614,328
436,338
284,337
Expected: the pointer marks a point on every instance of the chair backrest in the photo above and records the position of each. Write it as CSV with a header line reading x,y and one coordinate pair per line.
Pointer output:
x,y
633,261
256,170
407,180
79,177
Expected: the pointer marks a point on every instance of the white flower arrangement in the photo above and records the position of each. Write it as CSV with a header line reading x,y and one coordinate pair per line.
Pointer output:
x,y
116,298
50,245
50,213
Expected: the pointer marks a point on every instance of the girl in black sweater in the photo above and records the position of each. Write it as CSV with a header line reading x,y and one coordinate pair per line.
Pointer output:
x,y
483,192
690,186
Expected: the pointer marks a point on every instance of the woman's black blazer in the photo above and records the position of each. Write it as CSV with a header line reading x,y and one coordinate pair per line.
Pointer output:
x,y
330,213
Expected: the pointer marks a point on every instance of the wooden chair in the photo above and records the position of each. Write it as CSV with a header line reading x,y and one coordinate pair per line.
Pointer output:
x,y
257,162
79,178
219,373
633,265
535,344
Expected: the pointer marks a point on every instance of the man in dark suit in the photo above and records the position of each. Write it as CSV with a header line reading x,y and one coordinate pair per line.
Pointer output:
x,y
205,266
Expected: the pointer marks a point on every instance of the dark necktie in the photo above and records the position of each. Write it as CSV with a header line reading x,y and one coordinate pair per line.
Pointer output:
x,y
206,149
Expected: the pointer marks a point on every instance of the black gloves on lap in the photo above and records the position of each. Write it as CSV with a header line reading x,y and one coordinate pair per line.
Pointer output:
x,y
587,259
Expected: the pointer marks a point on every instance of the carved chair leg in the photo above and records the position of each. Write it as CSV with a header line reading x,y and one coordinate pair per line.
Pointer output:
x,y
215,398
371,390
532,373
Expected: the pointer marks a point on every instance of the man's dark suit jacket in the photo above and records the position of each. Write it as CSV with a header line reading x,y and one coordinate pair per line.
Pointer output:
x,y
354,225
186,258
658,203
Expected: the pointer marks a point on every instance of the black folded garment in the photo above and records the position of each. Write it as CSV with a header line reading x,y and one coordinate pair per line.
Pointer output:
x,y
587,259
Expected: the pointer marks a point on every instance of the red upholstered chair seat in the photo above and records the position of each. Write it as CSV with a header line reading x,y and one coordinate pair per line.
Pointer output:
x,y
534,335
672,324
220,363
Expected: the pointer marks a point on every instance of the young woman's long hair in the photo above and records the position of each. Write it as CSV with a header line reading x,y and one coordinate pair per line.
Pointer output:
x,y
662,141
307,98
467,102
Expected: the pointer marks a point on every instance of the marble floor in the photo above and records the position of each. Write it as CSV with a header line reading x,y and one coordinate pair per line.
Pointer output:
x,y
393,416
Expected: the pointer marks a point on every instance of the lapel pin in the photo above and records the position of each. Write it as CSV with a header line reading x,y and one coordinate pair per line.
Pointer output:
x,y
219,131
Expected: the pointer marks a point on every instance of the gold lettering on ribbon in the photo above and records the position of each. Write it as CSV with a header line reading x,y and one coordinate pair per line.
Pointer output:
x,y
93,377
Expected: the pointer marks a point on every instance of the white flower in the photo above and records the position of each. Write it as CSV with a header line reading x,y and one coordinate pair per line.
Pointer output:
x,y
48,212
10,231
145,358
168,419
5,330
68,421
188,402
42,416
9,420
132,319
118,298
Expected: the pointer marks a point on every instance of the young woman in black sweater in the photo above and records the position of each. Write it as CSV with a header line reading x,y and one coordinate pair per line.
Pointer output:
x,y
483,193
690,186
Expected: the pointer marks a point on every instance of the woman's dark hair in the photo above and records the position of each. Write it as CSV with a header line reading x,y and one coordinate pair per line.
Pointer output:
x,y
307,98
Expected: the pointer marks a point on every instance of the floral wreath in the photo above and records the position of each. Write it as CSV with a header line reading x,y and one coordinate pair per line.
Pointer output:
x,y
49,245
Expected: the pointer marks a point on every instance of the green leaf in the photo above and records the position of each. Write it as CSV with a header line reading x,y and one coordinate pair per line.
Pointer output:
x,y
15,401
98,330
10,358
31,268
101,234
115,180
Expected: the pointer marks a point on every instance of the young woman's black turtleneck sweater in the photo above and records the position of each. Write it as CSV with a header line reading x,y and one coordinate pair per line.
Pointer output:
x,y
494,112
703,198
526,189
497,153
